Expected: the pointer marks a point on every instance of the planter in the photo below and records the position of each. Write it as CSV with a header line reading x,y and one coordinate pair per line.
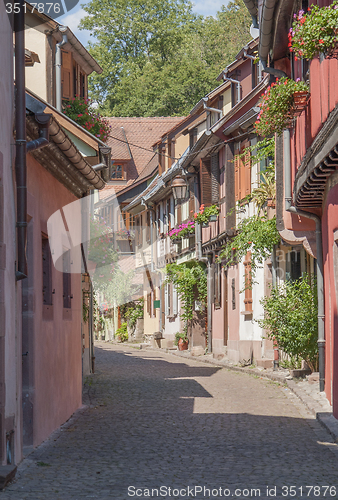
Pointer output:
x,y
213,218
182,345
205,224
176,240
300,100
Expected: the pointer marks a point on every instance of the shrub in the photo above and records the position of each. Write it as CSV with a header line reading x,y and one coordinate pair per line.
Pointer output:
x,y
122,333
290,317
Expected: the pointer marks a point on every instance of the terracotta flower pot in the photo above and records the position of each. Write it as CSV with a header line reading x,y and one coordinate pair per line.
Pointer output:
x,y
182,345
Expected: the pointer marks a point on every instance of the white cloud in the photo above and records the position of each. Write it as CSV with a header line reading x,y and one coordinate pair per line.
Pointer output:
x,y
208,7
72,20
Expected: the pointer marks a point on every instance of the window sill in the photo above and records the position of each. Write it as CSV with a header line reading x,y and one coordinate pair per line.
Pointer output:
x,y
247,313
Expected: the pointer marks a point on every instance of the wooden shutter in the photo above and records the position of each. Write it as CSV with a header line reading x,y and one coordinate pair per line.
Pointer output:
x,y
148,228
238,195
248,282
66,75
179,214
215,179
205,180
191,198
175,300
166,299
247,170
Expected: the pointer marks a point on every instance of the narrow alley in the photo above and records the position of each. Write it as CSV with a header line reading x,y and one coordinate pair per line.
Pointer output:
x,y
153,420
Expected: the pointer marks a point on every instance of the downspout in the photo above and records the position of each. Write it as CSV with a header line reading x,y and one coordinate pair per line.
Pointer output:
x,y
320,274
58,63
20,143
272,71
234,81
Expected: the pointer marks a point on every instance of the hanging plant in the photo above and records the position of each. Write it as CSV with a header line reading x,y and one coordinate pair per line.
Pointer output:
x,y
182,231
315,31
276,106
81,112
204,214
187,277
255,234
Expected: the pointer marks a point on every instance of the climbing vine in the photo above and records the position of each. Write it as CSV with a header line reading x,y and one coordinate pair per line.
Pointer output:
x,y
187,278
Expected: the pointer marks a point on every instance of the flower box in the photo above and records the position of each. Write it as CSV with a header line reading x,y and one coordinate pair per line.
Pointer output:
x,y
213,218
300,100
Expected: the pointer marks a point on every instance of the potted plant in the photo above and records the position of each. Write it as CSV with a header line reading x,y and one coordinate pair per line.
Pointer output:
x,y
81,111
182,231
314,32
206,214
181,340
277,106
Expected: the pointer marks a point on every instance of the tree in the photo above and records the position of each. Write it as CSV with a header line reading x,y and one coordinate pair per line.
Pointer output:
x,y
159,58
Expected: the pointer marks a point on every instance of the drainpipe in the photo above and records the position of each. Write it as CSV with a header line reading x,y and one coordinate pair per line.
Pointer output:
x,y
43,120
210,282
320,274
20,142
58,63
234,81
216,110
272,71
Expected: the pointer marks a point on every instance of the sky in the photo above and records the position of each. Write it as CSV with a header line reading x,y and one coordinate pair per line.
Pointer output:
x,y
206,8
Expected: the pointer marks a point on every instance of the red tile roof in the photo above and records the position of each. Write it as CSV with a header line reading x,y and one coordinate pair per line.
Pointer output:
x,y
131,140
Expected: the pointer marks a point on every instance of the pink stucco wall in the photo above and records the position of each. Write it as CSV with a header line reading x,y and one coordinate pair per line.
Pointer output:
x,y
329,225
56,368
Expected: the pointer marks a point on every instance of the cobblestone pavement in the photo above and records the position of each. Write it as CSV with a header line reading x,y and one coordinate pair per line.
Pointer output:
x,y
152,419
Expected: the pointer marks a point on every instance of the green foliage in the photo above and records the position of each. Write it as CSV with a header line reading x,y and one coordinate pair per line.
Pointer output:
x,y
266,189
187,278
290,317
133,311
256,234
204,213
315,31
179,336
159,58
276,106
122,332
80,111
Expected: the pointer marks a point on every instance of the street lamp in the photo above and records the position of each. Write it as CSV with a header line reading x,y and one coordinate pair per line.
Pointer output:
x,y
179,187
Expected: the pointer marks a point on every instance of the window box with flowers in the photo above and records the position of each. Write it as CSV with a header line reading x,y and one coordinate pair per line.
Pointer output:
x,y
314,32
125,234
184,230
279,105
206,214
81,112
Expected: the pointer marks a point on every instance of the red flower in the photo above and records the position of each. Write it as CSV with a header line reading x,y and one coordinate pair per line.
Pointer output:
x,y
321,41
79,116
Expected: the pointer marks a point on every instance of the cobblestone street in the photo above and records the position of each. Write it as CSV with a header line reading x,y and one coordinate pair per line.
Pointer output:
x,y
152,419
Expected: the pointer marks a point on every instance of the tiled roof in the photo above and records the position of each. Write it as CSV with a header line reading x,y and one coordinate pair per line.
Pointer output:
x,y
131,140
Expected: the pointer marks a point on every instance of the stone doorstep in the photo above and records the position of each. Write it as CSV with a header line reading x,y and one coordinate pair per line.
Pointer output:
x,y
264,363
7,473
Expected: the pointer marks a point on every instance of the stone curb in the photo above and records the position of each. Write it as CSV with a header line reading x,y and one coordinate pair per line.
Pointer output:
x,y
325,418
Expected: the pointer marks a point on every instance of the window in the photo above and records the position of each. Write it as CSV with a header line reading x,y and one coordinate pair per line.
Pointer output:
x,y
46,272
217,285
233,293
117,172
66,280
193,137
248,282
205,181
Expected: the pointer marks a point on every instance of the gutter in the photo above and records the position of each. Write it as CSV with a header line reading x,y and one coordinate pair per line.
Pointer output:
x,y
319,260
